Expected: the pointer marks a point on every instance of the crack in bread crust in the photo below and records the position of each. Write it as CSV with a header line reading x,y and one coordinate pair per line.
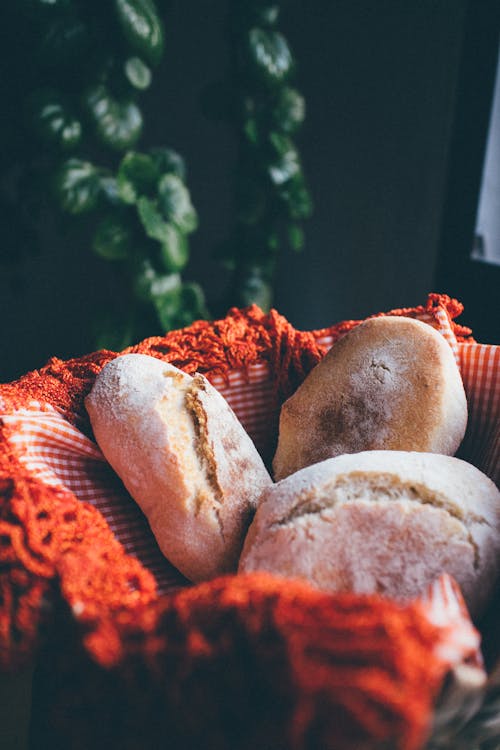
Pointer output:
x,y
383,489
204,449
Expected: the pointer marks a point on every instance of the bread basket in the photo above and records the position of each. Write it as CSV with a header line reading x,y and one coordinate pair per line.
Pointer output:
x,y
129,655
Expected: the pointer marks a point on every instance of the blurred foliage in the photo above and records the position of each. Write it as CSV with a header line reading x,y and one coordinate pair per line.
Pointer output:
x,y
74,128
90,61
271,195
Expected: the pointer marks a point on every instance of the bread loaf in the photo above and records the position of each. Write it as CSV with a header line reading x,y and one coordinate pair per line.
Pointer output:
x,y
391,383
183,456
381,521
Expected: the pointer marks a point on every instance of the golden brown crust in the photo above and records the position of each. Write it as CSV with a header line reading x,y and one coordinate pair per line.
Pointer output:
x,y
202,443
390,383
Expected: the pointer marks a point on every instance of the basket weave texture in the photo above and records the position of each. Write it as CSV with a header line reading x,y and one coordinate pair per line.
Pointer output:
x,y
242,661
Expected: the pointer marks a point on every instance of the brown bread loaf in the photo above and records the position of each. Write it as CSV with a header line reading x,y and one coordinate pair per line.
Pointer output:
x,y
391,383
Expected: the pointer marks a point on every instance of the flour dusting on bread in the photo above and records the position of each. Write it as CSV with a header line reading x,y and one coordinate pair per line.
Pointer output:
x,y
390,383
183,456
386,522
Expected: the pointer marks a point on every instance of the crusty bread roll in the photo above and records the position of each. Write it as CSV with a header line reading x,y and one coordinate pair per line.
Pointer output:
x,y
381,521
183,456
391,383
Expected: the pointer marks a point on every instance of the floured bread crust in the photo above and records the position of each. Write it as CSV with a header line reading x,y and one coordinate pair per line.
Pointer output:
x,y
381,521
391,383
183,456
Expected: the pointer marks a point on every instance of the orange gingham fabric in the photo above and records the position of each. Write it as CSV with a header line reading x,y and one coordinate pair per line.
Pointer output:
x,y
446,608
59,454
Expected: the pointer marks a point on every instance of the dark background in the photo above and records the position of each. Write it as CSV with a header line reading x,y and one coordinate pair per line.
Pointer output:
x,y
398,97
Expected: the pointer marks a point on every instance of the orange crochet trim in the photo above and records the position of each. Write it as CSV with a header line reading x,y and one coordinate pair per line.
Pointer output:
x,y
47,535
242,338
435,303
278,664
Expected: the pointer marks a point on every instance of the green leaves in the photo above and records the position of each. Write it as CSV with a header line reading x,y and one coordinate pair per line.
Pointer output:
x,y
77,186
97,58
288,110
150,285
109,191
175,203
174,251
146,203
151,183
137,73
251,13
269,55
137,175
153,222
54,122
267,14
272,198
168,307
115,332
146,174
168,160
117,122
296,237
141,27
163,202
179,307
255,289
285,162
112,238
176,304
297,198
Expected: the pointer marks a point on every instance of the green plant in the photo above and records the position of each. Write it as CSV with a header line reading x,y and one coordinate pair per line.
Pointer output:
x,y
271,195
89,63
97,58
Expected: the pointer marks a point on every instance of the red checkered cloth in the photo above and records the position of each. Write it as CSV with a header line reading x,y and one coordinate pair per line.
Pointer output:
x,y
59,454
54,482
